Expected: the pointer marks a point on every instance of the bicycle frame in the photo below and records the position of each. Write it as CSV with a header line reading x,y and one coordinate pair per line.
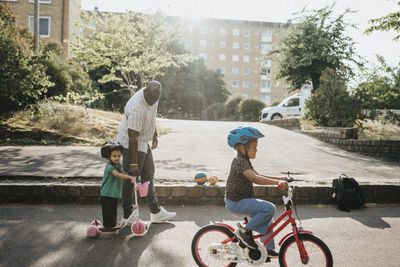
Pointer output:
x,y
295,230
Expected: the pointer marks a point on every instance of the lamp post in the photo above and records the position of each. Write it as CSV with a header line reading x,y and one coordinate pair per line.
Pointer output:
x,y
36,28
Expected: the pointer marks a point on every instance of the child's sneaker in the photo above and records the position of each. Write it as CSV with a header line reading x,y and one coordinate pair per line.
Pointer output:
x,y
272,253
246,237
161,216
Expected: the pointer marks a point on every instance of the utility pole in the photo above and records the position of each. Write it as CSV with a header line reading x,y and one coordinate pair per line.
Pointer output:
x,y
36,28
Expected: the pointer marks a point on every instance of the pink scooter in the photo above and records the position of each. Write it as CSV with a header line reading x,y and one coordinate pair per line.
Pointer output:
x,y
138,228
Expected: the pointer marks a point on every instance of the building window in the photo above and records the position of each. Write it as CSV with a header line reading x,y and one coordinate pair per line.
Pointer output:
x,y
257,33
222,31
266,36
222,57
222,70
44,25
266,98
245,95
235,58
235,70
211,56
235,83
255,84
246,58
256,45
246,71
188,43
40,1
203,56
203,43
222,44
246,33
235,45
236,32
246,46
265,48
203,30
245,84
255,71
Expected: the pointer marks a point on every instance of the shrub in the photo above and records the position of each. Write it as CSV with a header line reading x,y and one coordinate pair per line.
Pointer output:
x,y
231,109
250,108
214,112
331,105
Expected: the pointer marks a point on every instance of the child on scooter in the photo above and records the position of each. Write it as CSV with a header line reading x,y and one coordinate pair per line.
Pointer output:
x,y
239,192
111,187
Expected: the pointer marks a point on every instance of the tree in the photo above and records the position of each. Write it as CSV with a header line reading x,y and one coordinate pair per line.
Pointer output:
x,y
386,23
232,108
190,90
379,90
23,80
315,42
332,105
132,47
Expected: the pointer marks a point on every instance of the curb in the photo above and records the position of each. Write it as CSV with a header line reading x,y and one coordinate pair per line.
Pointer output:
x,y
183,194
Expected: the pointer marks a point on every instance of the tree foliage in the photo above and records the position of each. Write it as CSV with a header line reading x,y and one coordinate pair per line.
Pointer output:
x,y
249,109
132,47
386,23
314,42
22,78
332,105
232,108
379,90
189,90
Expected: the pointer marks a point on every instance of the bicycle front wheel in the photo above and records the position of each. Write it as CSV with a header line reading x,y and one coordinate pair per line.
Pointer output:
x,y
206,236
318,252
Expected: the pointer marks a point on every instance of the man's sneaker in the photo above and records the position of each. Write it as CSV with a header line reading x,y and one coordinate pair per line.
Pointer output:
x,y
161,216
272,253
246,237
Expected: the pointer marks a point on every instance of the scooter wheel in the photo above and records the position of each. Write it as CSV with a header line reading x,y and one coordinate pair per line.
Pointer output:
x,y
92,231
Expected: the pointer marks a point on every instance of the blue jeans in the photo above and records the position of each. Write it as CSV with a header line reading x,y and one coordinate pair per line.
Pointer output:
x,y
261,211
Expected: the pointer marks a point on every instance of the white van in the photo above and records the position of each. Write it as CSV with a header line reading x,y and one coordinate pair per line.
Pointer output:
x,y
290,106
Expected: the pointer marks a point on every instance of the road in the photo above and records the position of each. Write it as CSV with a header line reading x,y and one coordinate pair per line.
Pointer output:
x,y
54,235
190,147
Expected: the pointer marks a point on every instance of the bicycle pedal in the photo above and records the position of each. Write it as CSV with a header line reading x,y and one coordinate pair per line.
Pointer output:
x,y
268,259
241,244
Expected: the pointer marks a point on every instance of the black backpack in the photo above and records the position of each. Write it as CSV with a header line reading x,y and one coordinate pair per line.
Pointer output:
x,y
347,193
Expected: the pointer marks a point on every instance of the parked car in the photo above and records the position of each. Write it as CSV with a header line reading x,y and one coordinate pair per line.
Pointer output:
x,y
290,106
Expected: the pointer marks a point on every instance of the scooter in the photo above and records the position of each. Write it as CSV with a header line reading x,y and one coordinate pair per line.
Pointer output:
x,y
138,228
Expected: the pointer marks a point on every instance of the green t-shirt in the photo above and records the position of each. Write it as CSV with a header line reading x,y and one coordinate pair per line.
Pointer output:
x,y
111,186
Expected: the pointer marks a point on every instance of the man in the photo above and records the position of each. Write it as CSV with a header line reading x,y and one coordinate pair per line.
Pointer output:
x,y
138,127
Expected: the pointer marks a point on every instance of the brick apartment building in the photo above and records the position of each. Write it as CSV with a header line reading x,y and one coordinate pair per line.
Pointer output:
x,y
237,49
56,18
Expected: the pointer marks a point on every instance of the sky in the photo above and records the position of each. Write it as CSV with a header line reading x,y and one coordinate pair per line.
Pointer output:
x,y
275,11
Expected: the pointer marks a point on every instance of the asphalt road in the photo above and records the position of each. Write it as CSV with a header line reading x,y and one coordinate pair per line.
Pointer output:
x,y
190,147
55,235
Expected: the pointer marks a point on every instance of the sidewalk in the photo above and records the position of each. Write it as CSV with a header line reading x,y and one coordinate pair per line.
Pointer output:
x,y
190,147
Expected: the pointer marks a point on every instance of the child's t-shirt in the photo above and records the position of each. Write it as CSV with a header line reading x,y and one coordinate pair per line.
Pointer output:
x,y
238,186
111,186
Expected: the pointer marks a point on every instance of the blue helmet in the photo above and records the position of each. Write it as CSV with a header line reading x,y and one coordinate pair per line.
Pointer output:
x,y
243,134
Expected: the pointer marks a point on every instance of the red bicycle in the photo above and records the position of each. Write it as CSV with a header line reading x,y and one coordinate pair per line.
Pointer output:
x,y
216,244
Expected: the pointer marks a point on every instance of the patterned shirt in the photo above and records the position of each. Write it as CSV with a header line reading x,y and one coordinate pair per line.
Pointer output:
x,y
138,116
238,186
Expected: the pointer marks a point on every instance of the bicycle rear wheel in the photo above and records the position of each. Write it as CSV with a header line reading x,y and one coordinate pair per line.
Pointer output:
x,y
317,251
203,239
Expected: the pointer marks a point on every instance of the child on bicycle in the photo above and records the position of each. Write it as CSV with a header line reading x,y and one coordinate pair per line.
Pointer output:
x,y
239,192
111,186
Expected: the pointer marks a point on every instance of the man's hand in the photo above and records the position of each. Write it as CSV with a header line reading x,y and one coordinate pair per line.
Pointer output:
x,y
133,170
154,142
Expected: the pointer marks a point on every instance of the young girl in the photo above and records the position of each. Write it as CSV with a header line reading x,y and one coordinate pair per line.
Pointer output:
x,y
239,193
111,187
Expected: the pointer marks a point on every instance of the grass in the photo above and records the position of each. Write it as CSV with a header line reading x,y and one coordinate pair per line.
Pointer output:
x,y
54,123
367,129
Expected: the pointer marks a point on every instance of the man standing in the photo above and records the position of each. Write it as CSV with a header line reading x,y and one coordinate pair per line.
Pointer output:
x,y
138,127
